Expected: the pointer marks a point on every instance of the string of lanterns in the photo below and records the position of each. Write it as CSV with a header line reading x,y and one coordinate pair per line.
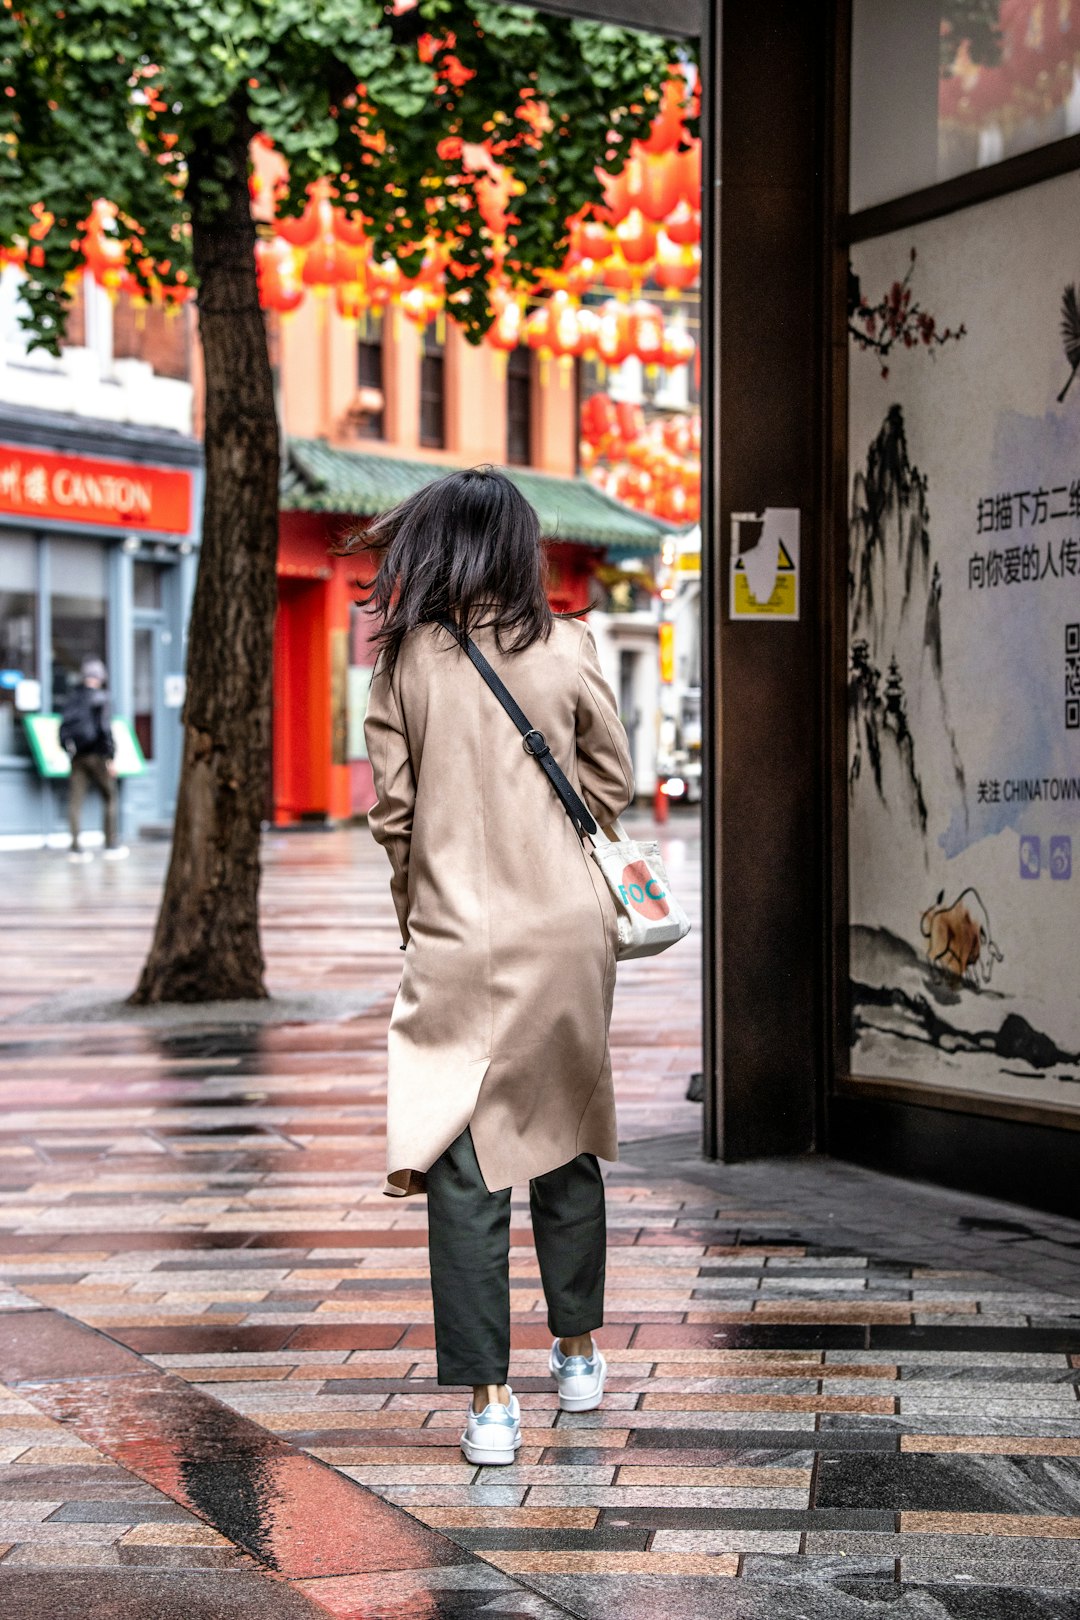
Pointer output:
x,y
654,467
108,256
647,229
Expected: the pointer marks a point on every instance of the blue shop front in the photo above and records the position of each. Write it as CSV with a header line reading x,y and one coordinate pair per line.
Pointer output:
x,y
98,549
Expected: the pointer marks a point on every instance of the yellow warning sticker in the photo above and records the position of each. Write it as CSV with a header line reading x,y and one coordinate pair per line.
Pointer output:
x,y
765,564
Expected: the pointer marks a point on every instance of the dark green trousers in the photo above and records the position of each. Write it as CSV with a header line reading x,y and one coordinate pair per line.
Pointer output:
x,y
469,1249
87,768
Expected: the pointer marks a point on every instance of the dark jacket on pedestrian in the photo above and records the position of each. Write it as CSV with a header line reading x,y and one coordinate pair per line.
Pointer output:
x,y
86,725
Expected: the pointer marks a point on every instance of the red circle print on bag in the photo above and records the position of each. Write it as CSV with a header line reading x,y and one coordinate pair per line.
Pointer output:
x,y
644,891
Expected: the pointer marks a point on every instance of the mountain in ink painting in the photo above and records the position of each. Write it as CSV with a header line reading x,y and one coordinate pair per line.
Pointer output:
x,y
897,708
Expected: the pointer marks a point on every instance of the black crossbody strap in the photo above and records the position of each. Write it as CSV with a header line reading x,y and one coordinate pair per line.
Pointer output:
x,y
533,741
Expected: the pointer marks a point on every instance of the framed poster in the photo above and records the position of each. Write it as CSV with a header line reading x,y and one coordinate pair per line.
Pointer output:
x,y
963,669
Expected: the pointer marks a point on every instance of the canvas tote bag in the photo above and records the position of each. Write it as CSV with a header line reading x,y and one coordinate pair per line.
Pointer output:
x,y
649,916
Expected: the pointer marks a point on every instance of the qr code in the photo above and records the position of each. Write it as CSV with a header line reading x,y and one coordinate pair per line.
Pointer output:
x,y
1072,677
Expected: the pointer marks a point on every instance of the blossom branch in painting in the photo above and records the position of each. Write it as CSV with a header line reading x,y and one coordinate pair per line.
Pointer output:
x,y
896,318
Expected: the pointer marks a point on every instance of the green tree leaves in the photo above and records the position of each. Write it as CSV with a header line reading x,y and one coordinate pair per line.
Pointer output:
x,y
103,98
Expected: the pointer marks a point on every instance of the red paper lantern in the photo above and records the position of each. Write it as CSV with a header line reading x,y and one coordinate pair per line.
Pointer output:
x,y
350,300
647,328
688,173
534,332
104,251
683,225
504,333
658,185
555,327
420,304
674,504
676,435
618,277
616,189
598,419
589,331
614,337
636,237
349,229
384,279
667,126
578,275
676,267
329,263
593,240
278,270
302,230
679,348
631,421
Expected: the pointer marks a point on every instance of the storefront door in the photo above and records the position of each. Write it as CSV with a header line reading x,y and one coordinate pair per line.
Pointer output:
x,y
156,692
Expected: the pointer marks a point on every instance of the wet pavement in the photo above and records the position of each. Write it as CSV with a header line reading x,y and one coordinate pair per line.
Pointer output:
x,y
833,1395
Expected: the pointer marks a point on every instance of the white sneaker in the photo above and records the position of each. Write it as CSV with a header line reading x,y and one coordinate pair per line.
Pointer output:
x,y
79,857
493,1435
119,852
580,1379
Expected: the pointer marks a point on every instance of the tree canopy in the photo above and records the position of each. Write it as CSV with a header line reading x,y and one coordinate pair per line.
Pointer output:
x,y
114,99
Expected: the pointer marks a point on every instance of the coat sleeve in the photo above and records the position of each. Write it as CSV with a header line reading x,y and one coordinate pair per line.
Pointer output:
x,y
67,725
391,817
604,767
105,734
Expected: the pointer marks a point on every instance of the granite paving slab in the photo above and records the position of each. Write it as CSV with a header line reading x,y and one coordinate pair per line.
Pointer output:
x,y
951,1482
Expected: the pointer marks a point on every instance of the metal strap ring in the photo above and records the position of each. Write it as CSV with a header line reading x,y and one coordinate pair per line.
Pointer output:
x,y
537,749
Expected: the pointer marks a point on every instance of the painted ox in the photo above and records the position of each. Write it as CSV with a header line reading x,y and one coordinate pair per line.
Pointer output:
x,y
958,939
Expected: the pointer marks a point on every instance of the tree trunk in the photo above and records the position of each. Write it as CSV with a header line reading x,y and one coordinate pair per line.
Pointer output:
x,y
206,944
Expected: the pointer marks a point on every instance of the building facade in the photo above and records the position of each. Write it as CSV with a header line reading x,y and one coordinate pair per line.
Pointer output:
x,y
371,411
99,522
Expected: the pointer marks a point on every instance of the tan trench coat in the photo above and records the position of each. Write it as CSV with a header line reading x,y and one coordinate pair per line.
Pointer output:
x,y
501,1021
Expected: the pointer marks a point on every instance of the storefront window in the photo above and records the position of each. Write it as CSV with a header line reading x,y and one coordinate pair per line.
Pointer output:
x,y
432,392
78,574
519,407
942,87
369,413
146,586
143,689
18,633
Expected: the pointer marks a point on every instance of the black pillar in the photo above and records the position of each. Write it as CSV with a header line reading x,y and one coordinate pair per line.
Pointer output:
x,y
768,442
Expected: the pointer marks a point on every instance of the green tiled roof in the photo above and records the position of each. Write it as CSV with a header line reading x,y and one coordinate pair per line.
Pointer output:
x,y
318,478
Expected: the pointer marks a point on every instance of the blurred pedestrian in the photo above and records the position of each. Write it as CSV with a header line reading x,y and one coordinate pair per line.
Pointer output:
x,y
499,1070
86,734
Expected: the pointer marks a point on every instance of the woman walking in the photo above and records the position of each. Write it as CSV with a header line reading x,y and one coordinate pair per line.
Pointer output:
x,y
499,1070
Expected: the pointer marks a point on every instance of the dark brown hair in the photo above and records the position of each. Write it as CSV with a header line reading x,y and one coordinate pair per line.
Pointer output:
x,y
466,547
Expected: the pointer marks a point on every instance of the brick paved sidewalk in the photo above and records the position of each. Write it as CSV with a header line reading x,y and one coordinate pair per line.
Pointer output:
x,y
219,1396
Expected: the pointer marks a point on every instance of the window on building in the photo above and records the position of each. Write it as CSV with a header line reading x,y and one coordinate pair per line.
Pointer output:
x,y
154,333
369,416
142,687
146,586
18,633
519,407
77,569
432,392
